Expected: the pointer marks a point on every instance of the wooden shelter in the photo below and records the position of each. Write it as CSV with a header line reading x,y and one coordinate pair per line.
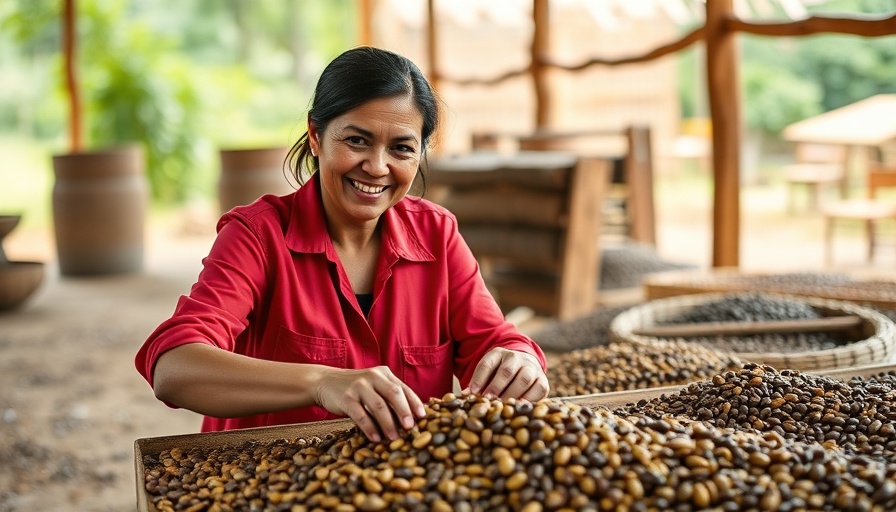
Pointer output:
x,y
719,30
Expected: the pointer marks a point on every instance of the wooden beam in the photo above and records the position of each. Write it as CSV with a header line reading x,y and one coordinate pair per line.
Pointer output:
x,y
540,49
865,26
432,48
725,112
695,35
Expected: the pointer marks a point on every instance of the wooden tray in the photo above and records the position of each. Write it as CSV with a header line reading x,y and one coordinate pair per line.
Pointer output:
x,y
155,445
869,289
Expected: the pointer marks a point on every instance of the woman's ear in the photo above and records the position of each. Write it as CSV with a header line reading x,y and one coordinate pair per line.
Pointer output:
x,y
313,138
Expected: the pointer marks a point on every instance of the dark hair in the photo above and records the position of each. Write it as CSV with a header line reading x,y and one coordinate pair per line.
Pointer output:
x,y
354,78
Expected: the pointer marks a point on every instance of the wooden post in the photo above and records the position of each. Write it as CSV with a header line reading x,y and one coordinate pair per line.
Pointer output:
x,y
69,36
540,48
432,48
725,111
639,185
577,291
365,22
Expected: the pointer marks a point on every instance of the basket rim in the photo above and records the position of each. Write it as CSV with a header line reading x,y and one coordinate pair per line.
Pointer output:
x,y
884,328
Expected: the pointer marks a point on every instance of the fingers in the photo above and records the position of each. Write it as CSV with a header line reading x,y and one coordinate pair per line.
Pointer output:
x,y
414,402
358,413
482,375
381,413
510,374
375,399
390,404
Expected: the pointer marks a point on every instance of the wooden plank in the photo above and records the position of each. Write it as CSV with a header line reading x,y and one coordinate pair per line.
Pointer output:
x,y
639,185
833,323
580,258
723,89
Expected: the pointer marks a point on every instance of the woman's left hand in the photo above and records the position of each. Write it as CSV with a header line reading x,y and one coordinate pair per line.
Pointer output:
x,y
507,373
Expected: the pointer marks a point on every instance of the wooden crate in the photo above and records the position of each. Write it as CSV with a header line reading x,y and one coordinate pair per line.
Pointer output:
x,y
155,445
532,220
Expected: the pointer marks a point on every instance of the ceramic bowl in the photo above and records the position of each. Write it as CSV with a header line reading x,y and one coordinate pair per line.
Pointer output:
x,y
18,280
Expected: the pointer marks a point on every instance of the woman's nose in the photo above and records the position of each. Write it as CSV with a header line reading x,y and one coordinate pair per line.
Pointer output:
x,y
376,163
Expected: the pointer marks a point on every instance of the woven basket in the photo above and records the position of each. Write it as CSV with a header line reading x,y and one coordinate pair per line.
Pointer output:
x,y
876,333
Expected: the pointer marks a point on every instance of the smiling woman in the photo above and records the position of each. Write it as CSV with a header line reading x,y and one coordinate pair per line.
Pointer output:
x,y
347,297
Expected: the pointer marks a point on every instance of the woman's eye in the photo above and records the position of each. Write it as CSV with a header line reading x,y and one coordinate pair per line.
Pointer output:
x,y
355,139
405,149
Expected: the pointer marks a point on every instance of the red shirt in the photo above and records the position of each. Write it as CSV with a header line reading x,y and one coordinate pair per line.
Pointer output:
x,y
272,287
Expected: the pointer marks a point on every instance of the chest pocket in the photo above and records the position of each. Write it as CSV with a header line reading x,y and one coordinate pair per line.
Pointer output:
x,y
428,370
293,347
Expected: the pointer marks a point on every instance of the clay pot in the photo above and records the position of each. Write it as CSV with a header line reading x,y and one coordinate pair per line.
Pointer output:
x,y
99,210
18,279
247,174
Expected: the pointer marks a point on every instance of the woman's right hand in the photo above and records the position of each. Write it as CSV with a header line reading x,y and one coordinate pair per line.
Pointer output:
x,y
374,398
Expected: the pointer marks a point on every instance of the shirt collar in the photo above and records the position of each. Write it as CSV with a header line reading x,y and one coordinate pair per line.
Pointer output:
x,y
307,231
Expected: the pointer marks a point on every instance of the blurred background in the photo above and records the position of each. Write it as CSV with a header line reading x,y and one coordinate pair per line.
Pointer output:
x,y
186,79
192,84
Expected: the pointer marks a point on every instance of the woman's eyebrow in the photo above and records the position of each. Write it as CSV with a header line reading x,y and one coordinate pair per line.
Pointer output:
x,y
369,134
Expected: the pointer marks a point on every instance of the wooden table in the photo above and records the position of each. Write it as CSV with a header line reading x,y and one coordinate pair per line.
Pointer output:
x,y
860,126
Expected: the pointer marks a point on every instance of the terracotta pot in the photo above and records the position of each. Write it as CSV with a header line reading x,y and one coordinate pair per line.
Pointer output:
x,y
99,211
247,174
18,279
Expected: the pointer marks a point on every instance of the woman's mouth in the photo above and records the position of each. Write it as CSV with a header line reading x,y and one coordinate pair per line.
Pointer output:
x,y
367,189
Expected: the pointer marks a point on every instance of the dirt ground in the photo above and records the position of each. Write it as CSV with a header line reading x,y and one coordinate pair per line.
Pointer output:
x,y
72,404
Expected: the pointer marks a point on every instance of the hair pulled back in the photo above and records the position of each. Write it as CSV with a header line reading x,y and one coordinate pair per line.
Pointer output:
x,y
353,78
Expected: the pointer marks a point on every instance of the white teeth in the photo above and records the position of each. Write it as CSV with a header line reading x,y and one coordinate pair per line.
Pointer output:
x,y
366,189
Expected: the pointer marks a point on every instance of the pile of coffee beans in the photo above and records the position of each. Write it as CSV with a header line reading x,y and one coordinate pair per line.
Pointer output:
x,y
758,307
747,307
474,454
858,416
628,366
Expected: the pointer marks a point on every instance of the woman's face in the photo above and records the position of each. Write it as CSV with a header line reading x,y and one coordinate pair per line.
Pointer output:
x,y
368,158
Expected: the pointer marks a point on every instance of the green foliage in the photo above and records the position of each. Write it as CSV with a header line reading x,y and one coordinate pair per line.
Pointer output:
x,y
850,68
776,99
180,78
786,79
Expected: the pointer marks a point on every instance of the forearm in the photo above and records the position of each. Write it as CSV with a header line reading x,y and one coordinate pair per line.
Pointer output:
x,y
218,383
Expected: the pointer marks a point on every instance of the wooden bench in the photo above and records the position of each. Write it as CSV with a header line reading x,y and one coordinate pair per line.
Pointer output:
x,y
533,221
